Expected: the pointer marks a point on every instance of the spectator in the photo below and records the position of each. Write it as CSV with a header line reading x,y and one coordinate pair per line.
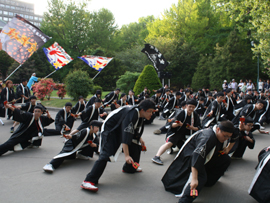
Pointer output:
x,y
32,80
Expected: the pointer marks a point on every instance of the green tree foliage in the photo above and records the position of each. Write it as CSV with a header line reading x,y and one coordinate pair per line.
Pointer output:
x,y
232,61
68,23
133,59
201,76
5,63
148,78
252,19
78,83
127,81
183,64
102,29
133,34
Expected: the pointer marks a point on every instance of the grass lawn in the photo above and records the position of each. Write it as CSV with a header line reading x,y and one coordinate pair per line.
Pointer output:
x,y
53,102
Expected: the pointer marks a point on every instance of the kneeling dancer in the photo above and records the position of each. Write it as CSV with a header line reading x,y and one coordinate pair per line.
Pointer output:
x,y
199,162
81,145
123,125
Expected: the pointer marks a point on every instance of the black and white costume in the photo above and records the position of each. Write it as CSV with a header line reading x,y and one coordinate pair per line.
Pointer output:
x,y
30,131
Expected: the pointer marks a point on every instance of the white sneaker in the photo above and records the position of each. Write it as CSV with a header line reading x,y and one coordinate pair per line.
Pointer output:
x,y
80,156
18,147
89,186
139,170
262,128
48,168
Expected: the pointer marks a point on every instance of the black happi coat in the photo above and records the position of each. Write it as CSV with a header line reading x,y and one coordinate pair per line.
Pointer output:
x,y
132,100
259,188
164,99
62,117
90,113
264,113
78,142
216,108
199,149
247,110
26,119
182,129
28,107
110,97
121,102
6,95
22,90
173,102
91,101
123,125
78,108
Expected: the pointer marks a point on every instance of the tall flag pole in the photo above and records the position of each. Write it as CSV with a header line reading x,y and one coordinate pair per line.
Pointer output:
x,y
96,62
57,57
20,39
155,56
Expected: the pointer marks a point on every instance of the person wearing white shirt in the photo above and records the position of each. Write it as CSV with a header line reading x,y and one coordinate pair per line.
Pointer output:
x,y
234,85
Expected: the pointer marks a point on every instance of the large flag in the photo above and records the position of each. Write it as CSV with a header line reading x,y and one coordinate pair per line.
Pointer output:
x,y
96,62
57,56
20,39
155,56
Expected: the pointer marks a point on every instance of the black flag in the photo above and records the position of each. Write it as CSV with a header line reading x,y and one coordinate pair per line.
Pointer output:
x,y
155,56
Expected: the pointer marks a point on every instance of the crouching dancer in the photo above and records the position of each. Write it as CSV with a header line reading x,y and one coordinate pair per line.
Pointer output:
x,y
81,145
123,125
199,162
30,130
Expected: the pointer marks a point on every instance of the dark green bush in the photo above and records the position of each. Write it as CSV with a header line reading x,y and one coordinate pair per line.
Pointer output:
x,y
127,81
78,83
148,78
95,88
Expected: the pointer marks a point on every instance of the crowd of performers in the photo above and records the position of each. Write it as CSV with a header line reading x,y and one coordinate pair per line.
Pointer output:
x,y
206,128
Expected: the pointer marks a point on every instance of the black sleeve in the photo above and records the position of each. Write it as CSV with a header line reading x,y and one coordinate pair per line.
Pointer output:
x,y
20,116
128,126
204,144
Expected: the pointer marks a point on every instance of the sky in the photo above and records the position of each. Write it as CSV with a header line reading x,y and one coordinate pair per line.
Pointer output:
x,y
124,11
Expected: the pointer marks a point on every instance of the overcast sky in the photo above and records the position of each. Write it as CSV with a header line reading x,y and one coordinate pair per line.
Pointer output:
x,y
124,11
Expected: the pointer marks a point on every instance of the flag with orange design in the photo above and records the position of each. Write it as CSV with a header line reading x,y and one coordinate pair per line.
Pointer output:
x,y
20,39
57,56
96,62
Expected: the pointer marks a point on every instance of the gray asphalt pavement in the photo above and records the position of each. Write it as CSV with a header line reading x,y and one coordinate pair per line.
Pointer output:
x,y
23,180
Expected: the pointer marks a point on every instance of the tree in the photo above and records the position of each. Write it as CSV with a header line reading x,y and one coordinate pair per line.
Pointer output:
x,y
252,20
5,62
148,78
68,24
78,83
133,34
232,61
133,59
201,76
127,81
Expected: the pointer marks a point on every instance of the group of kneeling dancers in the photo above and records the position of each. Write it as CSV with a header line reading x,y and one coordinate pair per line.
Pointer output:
x,y
207,131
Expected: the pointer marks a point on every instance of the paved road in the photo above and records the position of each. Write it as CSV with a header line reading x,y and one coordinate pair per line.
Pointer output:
x,y
23,180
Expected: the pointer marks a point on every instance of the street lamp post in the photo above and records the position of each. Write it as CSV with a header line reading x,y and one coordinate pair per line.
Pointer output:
x,y
258,67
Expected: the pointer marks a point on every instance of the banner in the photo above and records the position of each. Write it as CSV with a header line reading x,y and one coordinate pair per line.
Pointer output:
x,y
155,56
20,39
96,62
57,56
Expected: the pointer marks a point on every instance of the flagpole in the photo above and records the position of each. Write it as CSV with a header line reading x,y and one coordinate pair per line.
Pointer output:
x,y
96,75
13,72
50,74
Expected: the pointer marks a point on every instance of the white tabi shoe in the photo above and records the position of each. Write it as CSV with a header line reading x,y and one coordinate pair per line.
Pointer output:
x,y
80,156
18,147
89,186
139,170
48,168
